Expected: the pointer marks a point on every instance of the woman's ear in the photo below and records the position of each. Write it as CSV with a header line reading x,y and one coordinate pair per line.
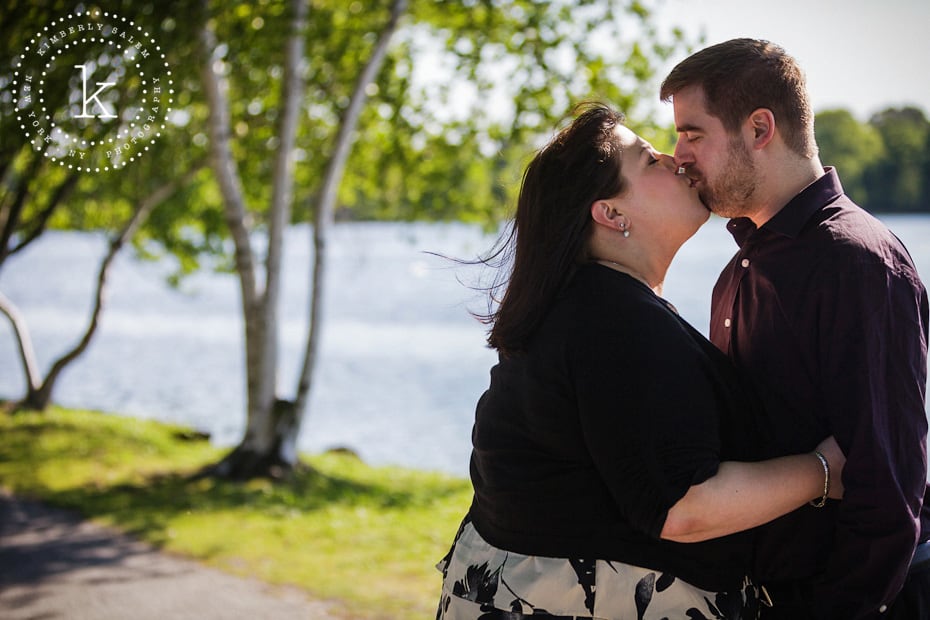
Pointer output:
x,y
762,124
606,214
603,213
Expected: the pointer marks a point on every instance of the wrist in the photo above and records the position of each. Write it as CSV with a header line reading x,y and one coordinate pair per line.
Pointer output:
x,y
822,500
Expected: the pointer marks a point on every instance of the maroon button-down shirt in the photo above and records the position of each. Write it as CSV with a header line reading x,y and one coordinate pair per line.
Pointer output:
x,y
824,315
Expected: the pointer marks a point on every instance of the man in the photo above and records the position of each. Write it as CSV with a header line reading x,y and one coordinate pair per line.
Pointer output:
x,y
823,313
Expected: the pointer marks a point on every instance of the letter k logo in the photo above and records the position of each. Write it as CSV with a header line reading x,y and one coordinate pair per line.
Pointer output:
x,y
93,97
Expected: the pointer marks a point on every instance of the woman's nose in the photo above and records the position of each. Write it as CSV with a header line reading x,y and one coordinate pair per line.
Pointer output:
x,y
667,161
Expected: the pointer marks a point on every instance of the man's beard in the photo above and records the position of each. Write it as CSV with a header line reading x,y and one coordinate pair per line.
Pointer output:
x,y
729,195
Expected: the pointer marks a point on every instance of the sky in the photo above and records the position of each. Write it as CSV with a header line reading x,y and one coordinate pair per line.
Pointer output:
x,y
862,55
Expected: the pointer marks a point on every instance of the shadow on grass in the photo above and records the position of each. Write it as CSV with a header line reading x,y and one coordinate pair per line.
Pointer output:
x,y
103,467
148,508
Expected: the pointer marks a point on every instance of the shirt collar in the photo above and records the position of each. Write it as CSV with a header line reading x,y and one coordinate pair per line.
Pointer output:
x,y
793,216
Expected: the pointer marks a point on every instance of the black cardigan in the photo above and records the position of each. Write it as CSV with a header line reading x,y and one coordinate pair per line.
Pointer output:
x,y
584,442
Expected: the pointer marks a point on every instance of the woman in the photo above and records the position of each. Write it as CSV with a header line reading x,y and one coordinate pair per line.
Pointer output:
x,y
607,450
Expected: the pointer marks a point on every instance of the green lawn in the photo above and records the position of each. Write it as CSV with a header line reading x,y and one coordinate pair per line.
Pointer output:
x,y
368,536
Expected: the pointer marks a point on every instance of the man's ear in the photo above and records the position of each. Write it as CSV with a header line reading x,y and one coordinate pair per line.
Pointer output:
x,y
762,125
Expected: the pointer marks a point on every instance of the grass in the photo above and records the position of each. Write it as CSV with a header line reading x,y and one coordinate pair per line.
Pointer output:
x,y
367,536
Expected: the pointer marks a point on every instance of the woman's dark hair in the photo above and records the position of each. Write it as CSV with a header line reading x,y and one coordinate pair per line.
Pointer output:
x,y
549,233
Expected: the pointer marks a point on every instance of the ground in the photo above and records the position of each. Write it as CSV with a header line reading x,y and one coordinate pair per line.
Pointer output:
x,y
53,564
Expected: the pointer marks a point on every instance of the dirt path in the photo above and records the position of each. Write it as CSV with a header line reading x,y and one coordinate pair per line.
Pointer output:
x,y
53,565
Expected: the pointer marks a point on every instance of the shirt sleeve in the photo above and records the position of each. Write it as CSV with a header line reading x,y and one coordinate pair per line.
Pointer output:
x,y
872,345
648,412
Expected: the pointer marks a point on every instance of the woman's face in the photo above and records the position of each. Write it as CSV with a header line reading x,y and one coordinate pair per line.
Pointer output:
x,y
662,206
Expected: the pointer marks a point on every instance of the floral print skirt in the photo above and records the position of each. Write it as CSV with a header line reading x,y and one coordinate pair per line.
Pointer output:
x,y
482,582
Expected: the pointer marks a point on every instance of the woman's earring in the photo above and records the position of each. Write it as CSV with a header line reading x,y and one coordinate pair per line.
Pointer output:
x,y
623,225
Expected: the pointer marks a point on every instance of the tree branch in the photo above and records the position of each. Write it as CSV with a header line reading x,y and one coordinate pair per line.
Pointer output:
x,y
292,90
138,217
10,212
37,226
328,194
224,165
259,384
23,340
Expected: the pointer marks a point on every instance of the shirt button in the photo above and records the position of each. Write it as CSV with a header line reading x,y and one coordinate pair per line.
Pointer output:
x,y
726,322
745,262
883,609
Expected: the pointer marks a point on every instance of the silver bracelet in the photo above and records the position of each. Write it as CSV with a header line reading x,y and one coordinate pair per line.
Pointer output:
x,y
826,481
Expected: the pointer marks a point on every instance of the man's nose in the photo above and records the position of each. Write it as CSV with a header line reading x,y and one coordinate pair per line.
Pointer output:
x,y
683,155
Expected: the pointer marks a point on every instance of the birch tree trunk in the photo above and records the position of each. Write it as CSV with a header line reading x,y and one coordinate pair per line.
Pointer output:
x,y
234,208
323,218
268,447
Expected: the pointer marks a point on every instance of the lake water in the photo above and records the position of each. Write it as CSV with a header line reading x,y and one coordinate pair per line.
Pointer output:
x,y
402,361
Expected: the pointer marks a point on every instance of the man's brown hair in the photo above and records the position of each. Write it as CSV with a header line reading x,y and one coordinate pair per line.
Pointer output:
x,y
741,75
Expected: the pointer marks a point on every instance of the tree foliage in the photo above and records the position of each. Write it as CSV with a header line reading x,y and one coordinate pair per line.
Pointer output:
x,y
47,178
884,163
54,196
468,88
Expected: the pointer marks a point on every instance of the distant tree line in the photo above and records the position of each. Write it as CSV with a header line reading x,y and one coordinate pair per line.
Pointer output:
x,y
884,163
